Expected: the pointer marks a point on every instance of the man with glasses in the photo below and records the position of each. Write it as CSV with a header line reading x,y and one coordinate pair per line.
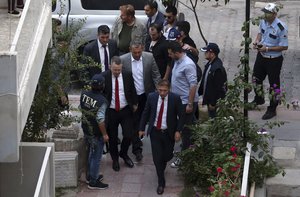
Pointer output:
x,y
170,21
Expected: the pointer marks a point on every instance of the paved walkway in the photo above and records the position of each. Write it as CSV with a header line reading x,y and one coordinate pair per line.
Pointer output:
x,y
138,181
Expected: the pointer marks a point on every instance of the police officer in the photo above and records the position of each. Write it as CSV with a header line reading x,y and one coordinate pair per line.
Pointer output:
x,y
93,105
270,42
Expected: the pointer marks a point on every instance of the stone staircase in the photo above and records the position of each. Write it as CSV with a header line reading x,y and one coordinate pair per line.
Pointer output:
x,y
286,150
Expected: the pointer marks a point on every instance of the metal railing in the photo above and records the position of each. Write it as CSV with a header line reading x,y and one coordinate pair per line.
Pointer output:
x,y
246,170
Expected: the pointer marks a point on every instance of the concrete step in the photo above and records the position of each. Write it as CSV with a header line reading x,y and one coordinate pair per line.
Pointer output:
x,y
66,164
286,154
287,186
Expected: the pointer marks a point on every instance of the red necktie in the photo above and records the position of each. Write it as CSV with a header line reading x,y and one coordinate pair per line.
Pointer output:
x,y
160,114
117,99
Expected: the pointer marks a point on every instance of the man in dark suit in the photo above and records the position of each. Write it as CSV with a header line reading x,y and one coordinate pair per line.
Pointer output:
x,y
163,111
122,102
101,50
146,75
154,17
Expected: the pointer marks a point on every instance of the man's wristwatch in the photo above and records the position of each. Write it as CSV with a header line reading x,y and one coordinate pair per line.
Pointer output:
x,y
190,104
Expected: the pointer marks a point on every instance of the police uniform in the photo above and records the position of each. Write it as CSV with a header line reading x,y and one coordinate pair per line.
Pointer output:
x,y
270,62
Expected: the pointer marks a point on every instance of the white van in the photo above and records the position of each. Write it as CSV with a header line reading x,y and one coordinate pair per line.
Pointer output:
x,y
96,12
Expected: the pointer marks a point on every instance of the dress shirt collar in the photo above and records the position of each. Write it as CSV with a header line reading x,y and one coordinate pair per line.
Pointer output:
x,y
114,77
134,60
165,99
179,61
153,18
101,45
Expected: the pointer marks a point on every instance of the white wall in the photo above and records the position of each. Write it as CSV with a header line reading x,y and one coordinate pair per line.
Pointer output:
x,y
20,71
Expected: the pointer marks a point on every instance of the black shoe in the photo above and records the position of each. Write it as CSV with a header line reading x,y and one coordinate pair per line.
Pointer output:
x,y
160,190
127,161
269,115
258,101
139,156
14,13
116,166
100,178
98,185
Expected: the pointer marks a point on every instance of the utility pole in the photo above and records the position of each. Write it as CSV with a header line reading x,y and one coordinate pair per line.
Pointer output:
x,y
246,67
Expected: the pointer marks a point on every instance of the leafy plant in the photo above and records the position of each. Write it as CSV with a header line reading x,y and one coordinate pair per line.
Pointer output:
x,y
51,93
214,163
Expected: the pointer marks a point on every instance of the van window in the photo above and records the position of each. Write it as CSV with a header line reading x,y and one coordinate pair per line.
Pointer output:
x,y
111,4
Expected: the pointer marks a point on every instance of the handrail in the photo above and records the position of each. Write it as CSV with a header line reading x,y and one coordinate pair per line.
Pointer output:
x,y
45,164
246,170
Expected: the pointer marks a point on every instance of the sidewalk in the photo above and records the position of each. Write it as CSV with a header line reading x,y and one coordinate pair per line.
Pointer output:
x,y
139,181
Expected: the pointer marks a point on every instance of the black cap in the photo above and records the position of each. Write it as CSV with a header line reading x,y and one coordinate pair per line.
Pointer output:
x,y
97,79
212,47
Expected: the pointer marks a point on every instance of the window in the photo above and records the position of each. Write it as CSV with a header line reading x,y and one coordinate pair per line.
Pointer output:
x,y
111,4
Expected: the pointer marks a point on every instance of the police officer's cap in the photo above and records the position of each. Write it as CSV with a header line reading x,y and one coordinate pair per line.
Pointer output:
x,y
212,47
270,8
97,79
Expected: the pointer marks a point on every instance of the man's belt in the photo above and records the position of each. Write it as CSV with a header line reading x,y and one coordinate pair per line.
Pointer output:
x,y
269,56
161,130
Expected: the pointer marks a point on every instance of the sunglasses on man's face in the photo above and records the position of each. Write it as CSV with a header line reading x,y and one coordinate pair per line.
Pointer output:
x,y
168,17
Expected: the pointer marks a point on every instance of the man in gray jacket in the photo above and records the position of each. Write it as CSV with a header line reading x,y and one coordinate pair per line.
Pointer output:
x,y
146,76
128,28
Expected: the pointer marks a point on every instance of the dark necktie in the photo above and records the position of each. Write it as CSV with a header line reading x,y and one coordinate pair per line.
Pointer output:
x,y
149,22
117,99
160,114
105,57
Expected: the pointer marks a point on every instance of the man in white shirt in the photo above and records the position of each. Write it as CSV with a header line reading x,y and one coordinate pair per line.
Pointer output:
x,y
146,75
122,103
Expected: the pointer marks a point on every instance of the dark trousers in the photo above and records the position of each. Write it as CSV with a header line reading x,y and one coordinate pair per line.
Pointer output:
x,y
136,141
188,119
11,4
162,145
267,67
212,113
114,118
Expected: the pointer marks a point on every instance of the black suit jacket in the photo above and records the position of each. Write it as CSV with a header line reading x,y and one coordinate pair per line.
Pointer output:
x,y
174,113
92,50
129,88
216,84
160,54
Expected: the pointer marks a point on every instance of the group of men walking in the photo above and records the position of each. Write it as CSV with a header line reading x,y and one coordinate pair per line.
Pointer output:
x,y
149,75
